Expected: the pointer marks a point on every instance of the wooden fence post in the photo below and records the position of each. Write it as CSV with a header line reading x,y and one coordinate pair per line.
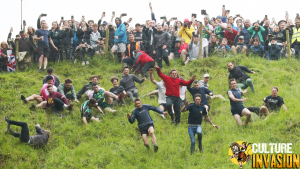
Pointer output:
x,y
106,42
288,43
200,40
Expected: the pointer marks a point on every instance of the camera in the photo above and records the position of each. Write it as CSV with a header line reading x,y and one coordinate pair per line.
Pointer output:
x,y
194,15
44,14
124,14
186,24
62,18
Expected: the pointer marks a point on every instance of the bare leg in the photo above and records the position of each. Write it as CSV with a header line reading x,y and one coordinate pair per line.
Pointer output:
x,y
151,132
247,113
244,50
238,119
42,104
123,56
145,139
206,107
171,56
183,54
35,97
162,108
41,61
45,62
187,60
219,96
233,49
109,97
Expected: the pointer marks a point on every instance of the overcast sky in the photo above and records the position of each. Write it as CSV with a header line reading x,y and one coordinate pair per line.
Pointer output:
x,y
136,9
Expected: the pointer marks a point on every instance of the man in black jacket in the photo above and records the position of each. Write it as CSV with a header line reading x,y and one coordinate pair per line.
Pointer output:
x,y
238,73
150,33
161,44
139,35
65,40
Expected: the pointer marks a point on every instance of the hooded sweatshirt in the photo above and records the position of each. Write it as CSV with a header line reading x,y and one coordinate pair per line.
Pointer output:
x,y
120,32
128,82
187,32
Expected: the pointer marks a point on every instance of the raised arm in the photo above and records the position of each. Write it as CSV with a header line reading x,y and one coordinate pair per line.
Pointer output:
x,y
151,76
160,74
231,96
187,83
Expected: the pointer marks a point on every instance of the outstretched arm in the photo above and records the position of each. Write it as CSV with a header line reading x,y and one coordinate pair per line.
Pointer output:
x,y
208,119
151,76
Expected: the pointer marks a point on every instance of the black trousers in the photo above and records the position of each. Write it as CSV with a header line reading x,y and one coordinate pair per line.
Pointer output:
x,y
162,54
176,101
254,110
24,135
146,67
58,104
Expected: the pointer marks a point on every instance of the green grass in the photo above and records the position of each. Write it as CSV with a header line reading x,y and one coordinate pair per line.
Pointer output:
x,y
115,143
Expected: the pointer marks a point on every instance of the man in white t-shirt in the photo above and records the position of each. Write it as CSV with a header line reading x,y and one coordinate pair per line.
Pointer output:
x,y
161,92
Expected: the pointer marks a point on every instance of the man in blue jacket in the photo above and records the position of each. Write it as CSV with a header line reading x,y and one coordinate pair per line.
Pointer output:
x,y
120,38
145,122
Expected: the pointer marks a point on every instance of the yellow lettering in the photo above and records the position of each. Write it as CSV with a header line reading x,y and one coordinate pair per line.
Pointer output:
x,y
259,160
279,156
295,160
266,161
284,161
289,162
273,161
253,160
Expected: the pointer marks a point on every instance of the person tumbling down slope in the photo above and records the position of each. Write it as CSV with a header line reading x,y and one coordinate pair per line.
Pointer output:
x,y
145,122
172,92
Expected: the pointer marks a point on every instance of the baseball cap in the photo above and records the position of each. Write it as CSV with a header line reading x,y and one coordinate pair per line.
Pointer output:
x,y
206,75
104,23
241,37
219,17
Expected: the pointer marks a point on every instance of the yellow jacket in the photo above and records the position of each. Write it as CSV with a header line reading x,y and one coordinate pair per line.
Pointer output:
x,y
186,37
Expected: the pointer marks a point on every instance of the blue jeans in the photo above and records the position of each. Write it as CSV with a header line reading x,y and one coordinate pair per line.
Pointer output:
x,y
192,131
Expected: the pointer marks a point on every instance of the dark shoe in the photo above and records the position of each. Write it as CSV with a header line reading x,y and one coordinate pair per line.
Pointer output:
x,y
172,119
23,98
200,148
32,107
57,113
7,119
70,107
192,152
147,146
155,148
40,70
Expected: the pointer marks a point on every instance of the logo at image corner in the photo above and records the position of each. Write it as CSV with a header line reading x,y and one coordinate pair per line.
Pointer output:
x,y
240,152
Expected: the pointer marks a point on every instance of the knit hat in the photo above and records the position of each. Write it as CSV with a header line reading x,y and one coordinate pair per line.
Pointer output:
x,y
207,17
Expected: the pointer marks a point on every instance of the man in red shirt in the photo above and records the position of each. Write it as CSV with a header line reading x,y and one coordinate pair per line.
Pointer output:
x,y
230,34
144,61
55,100
172,84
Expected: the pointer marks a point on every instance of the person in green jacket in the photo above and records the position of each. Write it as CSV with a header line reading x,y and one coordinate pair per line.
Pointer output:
x,y
64,88
256,30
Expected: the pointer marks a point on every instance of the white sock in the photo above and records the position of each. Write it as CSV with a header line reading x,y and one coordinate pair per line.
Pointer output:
x,y
26,99
65,105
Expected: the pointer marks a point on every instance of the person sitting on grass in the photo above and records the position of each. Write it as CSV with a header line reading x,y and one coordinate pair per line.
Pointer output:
x,y
87,89
257,48
56,78
55,100
44,92
104,98
223,47
64,88
86,111
204,83
272,103
196,114
118,91
145,122
183,51
127,82
38,140
240,47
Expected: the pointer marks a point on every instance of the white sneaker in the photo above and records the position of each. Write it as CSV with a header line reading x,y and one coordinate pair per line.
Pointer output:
x,y
162,116
75,60
87,62
83,63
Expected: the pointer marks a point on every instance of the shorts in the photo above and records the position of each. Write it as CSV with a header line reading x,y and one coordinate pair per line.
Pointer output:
x,y
119,47
144,130
164,105
237,111
43,50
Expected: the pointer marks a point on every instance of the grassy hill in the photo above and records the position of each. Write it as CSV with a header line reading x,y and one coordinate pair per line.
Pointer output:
x,y
115,143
